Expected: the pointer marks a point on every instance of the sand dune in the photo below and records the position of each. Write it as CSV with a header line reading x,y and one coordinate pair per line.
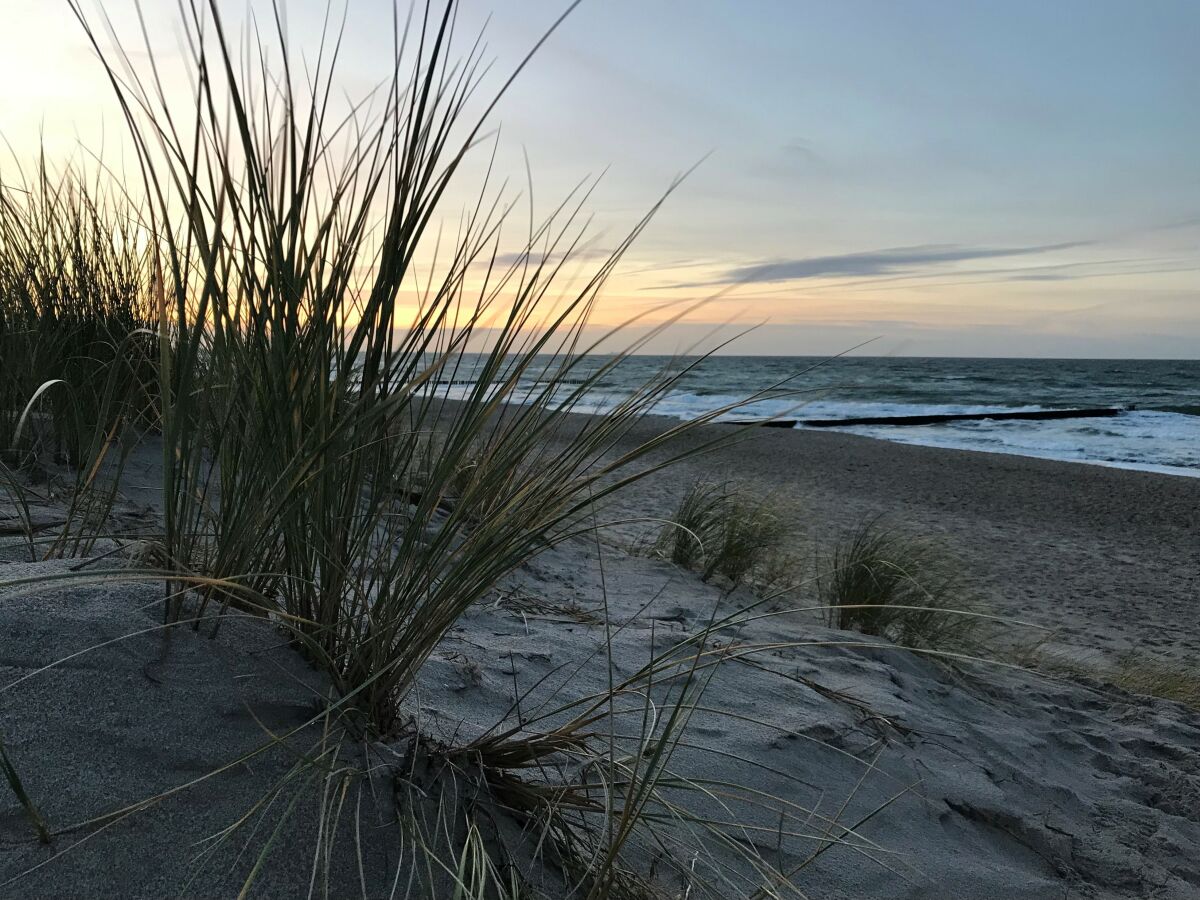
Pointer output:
x,y
916,780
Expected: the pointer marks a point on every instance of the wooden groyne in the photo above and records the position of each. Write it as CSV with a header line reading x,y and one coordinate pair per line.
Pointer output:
x,y
762,423
936,418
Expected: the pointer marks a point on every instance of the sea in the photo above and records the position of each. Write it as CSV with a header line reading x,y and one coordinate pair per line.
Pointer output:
x,y
1158,429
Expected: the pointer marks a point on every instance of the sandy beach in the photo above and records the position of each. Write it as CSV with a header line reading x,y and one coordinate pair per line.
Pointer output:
x,y
908,778
1108,558
391,509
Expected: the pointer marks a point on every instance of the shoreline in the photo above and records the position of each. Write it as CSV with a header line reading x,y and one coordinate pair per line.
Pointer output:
x,y
1175,471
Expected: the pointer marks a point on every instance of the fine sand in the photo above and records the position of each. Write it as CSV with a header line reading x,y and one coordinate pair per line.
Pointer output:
x,y
1107,558
914,780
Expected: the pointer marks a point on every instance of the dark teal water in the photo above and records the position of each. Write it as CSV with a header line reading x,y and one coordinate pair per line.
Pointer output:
x,y
1160,431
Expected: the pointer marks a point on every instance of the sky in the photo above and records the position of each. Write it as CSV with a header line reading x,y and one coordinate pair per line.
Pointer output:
x,y
1015,178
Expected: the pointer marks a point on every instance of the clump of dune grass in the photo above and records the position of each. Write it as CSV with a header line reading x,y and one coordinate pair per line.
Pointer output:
x,y
720,529
308,434
76,324
77,340
882,582
1134,672
1138,674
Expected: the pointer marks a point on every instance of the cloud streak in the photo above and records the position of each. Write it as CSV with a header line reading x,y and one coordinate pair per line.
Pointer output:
x,y
875,263
535,256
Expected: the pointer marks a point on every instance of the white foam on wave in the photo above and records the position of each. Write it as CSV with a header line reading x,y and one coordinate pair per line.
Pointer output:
x,y
687,405
1139,439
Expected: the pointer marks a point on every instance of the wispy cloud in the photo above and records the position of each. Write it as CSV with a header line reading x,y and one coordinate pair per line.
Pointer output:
x,y
873,263
536,256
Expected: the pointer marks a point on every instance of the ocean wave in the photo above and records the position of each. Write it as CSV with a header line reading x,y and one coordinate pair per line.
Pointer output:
x,y
1186,409
1142,439
1159,434
1152,440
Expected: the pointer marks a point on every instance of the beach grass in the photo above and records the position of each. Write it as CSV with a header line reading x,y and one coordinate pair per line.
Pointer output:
x,y
306,435
881,581
77,339
1139,674
17,786
75,322
1134,671
721,529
